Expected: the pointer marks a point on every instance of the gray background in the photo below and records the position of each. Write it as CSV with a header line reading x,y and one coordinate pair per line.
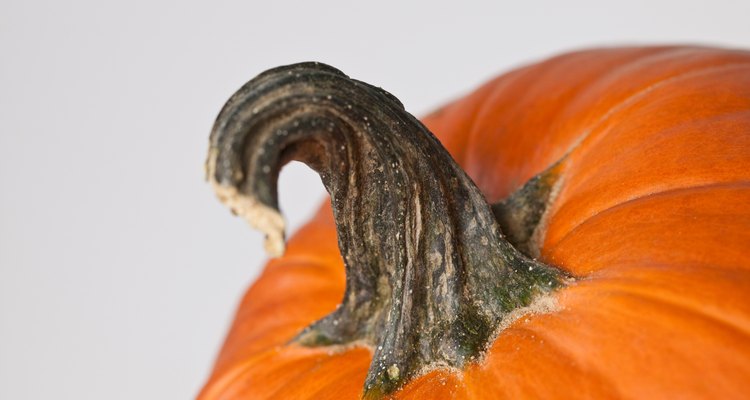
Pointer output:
x,y
119,270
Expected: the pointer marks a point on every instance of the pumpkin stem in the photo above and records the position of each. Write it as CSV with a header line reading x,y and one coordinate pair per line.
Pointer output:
x,y
430,278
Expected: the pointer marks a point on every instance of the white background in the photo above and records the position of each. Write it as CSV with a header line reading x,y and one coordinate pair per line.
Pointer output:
x,y
119,270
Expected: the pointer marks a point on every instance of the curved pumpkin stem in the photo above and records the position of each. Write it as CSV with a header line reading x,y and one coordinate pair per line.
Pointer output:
x,y
430,278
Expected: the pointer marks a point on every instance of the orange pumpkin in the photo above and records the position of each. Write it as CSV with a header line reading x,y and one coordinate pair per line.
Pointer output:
x,y
649,216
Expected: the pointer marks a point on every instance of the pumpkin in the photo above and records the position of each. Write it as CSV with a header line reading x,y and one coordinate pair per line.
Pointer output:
x,y
613,262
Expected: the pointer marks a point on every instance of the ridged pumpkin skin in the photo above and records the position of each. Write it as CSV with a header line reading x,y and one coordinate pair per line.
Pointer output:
x,y
652,217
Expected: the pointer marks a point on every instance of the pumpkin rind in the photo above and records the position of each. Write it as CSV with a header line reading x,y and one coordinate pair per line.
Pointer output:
x,y
653,215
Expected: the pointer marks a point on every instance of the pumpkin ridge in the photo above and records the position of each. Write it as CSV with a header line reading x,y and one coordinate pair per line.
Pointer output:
x,y
491,103
549,248
610,78
634,98
653,159
292,299
328,390
297,376
229,375
485,107
685,304
629,308
590,370
588,135
669,133
472,105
